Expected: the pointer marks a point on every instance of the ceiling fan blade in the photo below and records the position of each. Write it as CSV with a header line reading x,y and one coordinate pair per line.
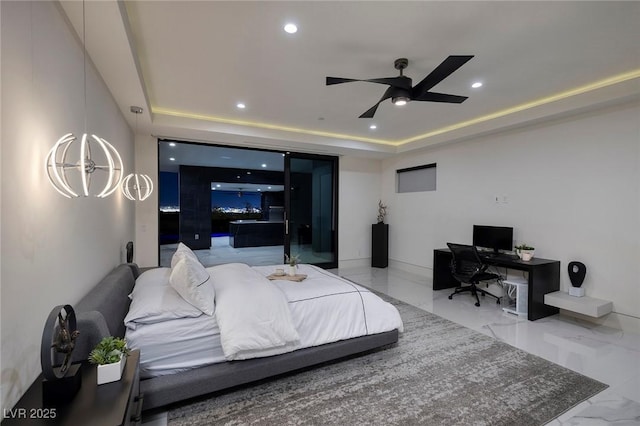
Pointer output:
x,y
338,80
372,111
400,82
440,97
442,71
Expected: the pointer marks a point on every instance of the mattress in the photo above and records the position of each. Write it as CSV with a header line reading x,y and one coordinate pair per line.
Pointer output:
x,y
176,345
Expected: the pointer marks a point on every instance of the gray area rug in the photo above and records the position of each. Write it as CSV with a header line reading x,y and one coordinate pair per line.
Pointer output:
x,y
439,373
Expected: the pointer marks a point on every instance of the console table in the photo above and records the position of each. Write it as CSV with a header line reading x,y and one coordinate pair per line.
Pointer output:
x,y
111,404
544,277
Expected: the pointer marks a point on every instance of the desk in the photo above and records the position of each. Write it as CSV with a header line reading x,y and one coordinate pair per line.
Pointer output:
x,y
544,277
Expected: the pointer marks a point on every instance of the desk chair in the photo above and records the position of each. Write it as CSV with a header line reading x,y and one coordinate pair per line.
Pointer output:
x,y
467,268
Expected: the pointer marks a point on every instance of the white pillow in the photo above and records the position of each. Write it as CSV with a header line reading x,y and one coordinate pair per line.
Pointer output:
x,y
154,300
181,252
193,283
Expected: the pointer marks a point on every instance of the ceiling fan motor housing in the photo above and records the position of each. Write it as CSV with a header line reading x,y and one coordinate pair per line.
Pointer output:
x,y
400,64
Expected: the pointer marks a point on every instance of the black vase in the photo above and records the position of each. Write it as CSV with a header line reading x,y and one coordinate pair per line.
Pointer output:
x,y
577,272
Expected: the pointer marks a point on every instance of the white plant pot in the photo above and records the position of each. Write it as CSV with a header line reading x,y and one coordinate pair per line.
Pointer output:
x,y
292,271
108,373
526,255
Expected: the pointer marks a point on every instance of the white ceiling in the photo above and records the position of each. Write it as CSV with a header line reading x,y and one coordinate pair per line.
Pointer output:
x,y
188,64
216,156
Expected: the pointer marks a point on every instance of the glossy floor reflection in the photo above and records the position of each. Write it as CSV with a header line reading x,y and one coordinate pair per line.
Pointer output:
x,y
608,355
605,354
222,252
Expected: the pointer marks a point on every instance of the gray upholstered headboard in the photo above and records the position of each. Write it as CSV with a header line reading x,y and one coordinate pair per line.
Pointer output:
x,y
101,312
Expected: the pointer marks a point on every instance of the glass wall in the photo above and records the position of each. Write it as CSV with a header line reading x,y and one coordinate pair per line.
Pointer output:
x,y
312,209
246,205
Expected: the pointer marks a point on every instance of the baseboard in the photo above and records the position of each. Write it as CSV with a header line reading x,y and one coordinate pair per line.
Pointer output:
x,y
354,263
420,271
613,320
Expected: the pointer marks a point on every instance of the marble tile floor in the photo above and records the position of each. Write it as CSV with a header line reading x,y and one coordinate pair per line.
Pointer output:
x,y
605,354
221,252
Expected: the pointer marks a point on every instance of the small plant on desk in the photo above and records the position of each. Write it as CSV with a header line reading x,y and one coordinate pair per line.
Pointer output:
x,y
525,252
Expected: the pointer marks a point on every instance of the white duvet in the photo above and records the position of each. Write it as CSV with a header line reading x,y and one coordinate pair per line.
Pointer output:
x,y
253,317
327,308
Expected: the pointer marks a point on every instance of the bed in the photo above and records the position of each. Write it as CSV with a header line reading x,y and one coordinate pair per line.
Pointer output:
x,y
185,354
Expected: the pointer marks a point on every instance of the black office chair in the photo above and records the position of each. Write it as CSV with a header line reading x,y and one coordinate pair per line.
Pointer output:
x,y
467,268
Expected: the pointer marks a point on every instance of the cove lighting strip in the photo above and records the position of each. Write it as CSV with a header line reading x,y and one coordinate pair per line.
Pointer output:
x,y
522,107
498,114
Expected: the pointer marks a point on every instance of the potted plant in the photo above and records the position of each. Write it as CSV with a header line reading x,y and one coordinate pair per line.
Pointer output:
x,y
110,355
525,252
293,263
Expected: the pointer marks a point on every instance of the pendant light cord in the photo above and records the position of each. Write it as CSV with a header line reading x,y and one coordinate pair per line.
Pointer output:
x,y
84,64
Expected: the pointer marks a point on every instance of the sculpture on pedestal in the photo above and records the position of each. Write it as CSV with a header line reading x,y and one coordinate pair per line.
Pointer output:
x,y
577,272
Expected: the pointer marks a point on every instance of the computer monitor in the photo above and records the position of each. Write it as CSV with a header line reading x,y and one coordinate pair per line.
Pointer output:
x,y
493,237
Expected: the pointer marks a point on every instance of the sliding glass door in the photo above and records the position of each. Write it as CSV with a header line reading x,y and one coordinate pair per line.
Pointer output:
x,y
247,205
311,201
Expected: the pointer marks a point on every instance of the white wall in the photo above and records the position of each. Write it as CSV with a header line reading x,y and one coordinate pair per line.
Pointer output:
x,y
358,192
53,249
572,188
146,241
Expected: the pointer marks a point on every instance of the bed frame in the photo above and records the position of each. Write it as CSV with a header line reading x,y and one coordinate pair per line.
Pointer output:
x,y
102,311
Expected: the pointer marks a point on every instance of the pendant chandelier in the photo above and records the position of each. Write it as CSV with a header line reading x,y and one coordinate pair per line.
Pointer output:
x,y
93,165
137,187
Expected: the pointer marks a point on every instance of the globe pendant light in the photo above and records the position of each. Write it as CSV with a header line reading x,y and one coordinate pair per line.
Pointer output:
x,y
59,167
95,155
137,187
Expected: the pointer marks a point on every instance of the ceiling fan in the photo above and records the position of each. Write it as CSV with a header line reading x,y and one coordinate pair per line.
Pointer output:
x,y
400,90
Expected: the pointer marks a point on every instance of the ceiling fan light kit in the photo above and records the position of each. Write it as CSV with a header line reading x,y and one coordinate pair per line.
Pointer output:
x,y
401,91
400,100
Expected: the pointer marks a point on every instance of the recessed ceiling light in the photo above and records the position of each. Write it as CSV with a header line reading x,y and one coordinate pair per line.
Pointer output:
x,y
476,84
172,159
373,127
259,189
172,144
240,105
264,165
248,173
268,187
218,186
291,28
